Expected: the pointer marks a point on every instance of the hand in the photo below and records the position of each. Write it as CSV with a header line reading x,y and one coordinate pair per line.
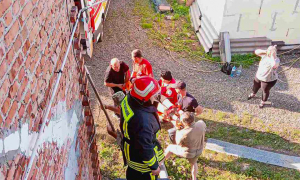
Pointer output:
x,y
156,172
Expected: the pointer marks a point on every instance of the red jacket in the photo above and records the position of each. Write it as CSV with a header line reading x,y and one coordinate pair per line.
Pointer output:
x,y
142,69
170,93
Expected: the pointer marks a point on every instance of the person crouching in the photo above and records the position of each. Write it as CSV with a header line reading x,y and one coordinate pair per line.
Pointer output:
x,y
189,141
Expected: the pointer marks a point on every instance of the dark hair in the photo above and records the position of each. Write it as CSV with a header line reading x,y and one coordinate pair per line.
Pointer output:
x,y
137,53
166,75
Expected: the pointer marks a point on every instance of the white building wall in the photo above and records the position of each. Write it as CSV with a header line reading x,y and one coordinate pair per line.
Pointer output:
x,y
213,10
278,20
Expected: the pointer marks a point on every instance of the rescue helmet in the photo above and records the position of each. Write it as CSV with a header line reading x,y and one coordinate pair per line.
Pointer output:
x,y
144,87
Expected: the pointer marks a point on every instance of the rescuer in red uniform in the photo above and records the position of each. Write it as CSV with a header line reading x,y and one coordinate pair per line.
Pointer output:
x,y
165,82
141,66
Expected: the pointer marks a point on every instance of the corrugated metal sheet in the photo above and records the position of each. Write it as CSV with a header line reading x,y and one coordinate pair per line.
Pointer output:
x,y
203,28
243,45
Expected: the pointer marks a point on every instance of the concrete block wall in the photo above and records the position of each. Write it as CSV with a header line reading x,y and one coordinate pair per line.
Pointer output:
x,y
34,35
278,20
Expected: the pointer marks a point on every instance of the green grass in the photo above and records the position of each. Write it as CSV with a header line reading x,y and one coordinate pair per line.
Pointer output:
x,y
250,131
218,166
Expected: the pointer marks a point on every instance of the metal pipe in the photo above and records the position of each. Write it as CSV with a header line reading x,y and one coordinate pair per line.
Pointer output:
x,y
34,151
99,99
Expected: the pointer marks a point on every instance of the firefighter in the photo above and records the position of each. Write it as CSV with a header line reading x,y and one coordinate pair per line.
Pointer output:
x,y
141,66
140,126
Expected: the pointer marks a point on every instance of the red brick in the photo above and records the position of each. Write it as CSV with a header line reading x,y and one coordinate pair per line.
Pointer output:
x,y
21,74
18,43
18,173
3,90
1,119
1,29
35,12
3,68
8,18
16,7
27,97
24,34
21,111
22,2
27,9
11,172
22,88
29,23
26,46
13,89
9,37
13,71
4,5
11,114
10,56
6,105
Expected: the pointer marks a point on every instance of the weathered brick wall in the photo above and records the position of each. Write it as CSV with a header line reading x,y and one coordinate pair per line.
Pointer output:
x,y
34,35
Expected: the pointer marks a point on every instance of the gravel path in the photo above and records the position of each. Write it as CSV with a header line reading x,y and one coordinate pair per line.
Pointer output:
x,y
212,90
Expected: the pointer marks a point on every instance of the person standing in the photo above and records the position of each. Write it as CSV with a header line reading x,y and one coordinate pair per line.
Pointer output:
x,y
266,75
139,126
189,141
165,82
141,66
116,75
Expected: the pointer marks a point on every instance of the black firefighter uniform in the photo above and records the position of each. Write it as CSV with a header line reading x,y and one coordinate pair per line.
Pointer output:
x,y
140,127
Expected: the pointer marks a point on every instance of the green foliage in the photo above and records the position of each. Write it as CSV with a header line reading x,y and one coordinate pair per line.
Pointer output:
x,y
146,25
181,10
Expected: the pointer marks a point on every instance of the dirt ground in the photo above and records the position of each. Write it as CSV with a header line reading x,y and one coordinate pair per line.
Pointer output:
x,y
122,34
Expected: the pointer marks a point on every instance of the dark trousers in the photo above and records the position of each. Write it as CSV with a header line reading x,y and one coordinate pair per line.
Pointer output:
x,y
132,174
265,86
172,135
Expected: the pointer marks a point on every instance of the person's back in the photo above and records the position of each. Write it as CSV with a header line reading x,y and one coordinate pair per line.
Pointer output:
x,y
195,136
192,138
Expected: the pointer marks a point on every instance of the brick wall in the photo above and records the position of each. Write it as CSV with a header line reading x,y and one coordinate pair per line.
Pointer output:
x,y
34,35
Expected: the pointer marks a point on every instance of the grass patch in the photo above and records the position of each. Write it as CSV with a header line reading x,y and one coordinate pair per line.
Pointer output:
x,y
219,166
250,131
146,25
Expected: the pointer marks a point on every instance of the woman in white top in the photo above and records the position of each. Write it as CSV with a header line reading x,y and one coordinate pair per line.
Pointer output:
x,y
266,76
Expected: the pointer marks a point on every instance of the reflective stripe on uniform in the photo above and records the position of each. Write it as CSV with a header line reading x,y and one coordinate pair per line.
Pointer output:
x,y
161,155
152,176
134,165
152,161
127,114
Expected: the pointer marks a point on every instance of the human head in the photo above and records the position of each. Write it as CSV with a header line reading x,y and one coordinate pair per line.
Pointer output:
x,y
136,55
115,64
118,97
272,51
166,77
145,89
187,118
180,87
